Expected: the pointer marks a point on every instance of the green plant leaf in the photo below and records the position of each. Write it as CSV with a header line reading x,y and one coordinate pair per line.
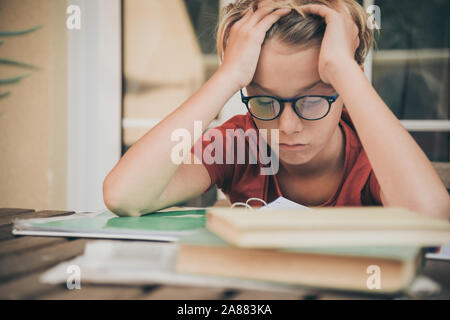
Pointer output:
x,y
1,42
6,33
5,94
6,81
18,64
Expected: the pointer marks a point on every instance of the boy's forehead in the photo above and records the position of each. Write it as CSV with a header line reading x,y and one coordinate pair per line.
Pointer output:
x,y
285,69
313,85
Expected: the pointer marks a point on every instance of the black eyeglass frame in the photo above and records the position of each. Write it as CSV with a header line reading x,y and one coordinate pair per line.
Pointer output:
x,y
329,99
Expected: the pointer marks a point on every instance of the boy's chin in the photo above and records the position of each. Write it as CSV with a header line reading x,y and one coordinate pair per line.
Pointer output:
x,y
294,159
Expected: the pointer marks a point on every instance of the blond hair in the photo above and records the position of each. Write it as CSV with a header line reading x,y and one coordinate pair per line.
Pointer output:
x,y
295,28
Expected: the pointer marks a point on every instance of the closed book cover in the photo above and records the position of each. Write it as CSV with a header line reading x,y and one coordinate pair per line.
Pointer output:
x,y
355,268
327,227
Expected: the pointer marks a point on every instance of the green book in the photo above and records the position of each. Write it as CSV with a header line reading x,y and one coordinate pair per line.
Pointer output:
x,y
162,226
374,269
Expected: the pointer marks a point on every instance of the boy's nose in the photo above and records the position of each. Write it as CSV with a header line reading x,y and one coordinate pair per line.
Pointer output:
x,y
290,122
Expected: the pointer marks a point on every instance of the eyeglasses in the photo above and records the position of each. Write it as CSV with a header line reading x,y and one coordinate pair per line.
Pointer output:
x,y
312,107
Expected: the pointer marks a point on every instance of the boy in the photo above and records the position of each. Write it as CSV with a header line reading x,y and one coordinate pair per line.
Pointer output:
x,y
299,65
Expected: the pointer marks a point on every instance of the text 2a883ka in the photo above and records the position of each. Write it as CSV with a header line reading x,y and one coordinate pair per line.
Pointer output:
x,y
235,309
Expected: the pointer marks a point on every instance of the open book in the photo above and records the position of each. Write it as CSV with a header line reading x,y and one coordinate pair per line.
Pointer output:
x,y
164,225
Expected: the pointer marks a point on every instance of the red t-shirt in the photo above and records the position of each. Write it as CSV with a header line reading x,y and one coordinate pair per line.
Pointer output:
x,y
359,186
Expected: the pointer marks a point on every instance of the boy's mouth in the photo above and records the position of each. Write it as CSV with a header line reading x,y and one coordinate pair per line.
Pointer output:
x,y
291,147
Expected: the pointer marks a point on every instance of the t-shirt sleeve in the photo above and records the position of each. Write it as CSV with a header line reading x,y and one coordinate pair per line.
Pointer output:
x,y
371,192
211,150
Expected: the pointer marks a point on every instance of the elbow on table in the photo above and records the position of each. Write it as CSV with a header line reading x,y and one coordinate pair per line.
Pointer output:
x,y
444,212
115,204
434,205
120,210
437,209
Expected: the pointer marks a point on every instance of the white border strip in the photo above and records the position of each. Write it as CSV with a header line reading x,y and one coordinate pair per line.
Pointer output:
x,y
149,123
410,125
426,125
422,55
94,102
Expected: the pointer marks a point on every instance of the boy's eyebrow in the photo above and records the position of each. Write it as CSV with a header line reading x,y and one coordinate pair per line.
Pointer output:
x,y
303,90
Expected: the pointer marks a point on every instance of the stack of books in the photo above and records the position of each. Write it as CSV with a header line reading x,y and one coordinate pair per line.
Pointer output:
x,y
378,250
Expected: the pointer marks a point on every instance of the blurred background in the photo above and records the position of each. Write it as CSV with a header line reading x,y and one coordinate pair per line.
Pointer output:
x,y
73,100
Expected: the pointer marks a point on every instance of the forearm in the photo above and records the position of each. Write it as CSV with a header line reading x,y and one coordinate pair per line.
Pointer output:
x,y
405,174
143,173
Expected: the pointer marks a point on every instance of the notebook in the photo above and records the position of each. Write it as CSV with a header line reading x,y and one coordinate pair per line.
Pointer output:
x,y
344,268
326,227
164,225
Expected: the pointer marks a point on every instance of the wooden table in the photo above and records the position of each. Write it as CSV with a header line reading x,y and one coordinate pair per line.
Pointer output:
x,y
23,259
